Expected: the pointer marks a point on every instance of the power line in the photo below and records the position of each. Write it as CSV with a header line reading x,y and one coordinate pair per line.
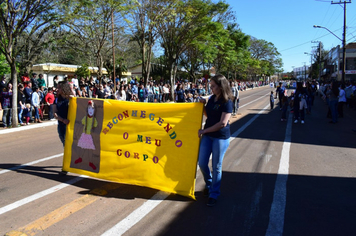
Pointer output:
x,y
307,42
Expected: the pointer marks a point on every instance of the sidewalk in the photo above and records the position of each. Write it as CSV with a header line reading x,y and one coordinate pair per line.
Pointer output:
x,y
27,127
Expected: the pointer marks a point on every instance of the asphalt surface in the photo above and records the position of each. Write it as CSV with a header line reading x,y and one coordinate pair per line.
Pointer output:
x,y
279,178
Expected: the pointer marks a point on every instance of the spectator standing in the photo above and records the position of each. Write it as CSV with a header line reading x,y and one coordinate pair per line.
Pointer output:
x,y
271,100
27,113
42,93
180,94
280,91
299,94
215,136
100,93
28,94
34,80
120,93
284,108
128,91
21,102
35,101
6,105
342,101
25,79
40,81
142,93
235,94
75,81
49,100
55,81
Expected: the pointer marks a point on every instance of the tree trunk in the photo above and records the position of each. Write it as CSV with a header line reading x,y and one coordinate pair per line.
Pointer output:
x,y
171,71
14,94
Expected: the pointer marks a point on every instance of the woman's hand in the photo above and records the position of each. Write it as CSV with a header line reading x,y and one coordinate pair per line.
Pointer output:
x,y
200,133
65,121
202,100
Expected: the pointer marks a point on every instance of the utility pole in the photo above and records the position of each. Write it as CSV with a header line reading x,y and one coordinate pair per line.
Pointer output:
x,y
113,47
343,40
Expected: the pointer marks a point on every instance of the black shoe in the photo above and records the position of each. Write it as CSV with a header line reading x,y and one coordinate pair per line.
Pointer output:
x,y
211,202
206,192
63,173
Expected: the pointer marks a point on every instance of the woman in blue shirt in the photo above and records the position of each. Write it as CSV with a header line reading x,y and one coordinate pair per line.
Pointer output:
x,y
180,93
215,135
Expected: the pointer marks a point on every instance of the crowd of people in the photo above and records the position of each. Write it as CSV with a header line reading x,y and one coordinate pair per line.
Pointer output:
x,y
336,95
36,100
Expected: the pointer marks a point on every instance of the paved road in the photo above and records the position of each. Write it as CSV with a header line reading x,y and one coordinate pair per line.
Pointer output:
x,y
279,178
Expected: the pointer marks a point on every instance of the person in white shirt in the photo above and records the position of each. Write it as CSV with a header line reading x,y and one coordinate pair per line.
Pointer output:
x,y
342,100
121,94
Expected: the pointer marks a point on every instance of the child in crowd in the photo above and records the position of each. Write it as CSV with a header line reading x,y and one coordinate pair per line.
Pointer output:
x,y
27,113
271,100
190,98
284,108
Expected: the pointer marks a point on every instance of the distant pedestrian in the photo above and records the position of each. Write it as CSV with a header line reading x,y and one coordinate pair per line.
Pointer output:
x,y
280,92
271,100
285,105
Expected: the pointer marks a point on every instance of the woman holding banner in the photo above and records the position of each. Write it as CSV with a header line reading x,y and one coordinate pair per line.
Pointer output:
x,y
215,135
60,109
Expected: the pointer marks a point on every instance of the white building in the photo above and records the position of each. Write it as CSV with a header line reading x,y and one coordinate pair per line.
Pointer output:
x,y
49,70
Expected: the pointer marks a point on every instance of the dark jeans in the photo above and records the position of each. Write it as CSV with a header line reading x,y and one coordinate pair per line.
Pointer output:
x,y
7,114
61,128
50,112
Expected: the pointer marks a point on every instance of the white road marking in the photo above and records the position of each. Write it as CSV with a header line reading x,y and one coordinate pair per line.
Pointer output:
x,y
128,222
41,194
276,215
30,163
253,101
137,215
124,225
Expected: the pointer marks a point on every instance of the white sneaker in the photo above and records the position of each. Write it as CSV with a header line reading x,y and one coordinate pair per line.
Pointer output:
x,y
296,121
302,122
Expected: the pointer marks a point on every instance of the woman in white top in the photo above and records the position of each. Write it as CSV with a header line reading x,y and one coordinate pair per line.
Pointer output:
x,y
120,94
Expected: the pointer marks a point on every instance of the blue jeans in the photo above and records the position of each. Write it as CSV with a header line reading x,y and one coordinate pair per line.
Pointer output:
x,y
37,114
61,128
217,148
20,110
7,114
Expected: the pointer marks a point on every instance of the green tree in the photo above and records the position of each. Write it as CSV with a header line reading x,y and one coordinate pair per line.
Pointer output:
x,y
4,66
186,23
267,55
18,17
83,71
92,29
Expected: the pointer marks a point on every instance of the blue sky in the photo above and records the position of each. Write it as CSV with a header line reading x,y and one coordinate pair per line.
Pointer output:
x,y
288,24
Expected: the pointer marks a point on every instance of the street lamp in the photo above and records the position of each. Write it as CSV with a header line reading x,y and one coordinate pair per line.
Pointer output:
x,y
343,48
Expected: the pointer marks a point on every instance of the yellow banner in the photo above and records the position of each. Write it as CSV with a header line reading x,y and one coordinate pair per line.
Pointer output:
x,y
154,145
